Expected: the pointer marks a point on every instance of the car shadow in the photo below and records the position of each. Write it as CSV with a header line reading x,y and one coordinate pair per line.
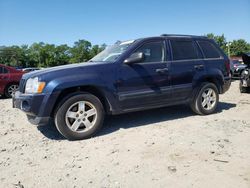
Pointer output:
x,y
3,98
145,118
49,130
136,119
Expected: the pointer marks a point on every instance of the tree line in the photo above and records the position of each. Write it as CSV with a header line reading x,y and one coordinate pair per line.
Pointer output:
x,y
49,55
233,48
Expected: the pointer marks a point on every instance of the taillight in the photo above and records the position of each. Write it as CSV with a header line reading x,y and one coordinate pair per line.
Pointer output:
x,y
227,65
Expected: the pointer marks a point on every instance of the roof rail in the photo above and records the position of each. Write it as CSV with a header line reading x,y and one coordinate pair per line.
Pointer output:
x,y
178,35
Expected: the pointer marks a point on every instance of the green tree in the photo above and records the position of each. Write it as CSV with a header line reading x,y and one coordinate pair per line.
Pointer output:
x,y
238,47
96,49
35,54
220,40
62,54
80,52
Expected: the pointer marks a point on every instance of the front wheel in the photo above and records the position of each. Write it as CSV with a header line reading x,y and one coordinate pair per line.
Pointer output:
x,y
79,116
206,100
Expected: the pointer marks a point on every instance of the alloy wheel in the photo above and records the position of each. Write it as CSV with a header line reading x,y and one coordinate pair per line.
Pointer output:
x,y
81,116
208,99
12,89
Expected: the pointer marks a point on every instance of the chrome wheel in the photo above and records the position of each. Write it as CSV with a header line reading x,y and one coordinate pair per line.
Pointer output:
x,y
208,99
81,116
12,89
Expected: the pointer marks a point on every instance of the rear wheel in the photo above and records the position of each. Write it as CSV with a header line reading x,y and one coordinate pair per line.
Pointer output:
x,y
206,100
80,116
10,90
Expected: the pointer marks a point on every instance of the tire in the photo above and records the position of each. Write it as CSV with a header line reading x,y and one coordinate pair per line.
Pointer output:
x,y
79,116
231,72
242,89
204,103
10,90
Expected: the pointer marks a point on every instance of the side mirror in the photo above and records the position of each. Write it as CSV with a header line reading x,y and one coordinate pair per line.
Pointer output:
x,y
135,58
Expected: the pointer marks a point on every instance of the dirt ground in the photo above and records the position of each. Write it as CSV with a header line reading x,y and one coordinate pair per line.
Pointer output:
x,y
167,147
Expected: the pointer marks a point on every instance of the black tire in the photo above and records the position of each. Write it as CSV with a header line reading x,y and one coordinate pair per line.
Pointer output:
x,y
9,88
242,89
196,103
231,72
62,123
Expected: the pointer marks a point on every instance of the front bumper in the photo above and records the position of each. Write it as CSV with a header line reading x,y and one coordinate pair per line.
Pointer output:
x,y
32,105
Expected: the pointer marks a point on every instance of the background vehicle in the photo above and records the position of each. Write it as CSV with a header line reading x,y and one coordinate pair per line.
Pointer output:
x,y
236,67
128,76
245,76
29,69
9,80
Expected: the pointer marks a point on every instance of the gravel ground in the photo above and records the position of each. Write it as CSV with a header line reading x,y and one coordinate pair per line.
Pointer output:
x,y
167,147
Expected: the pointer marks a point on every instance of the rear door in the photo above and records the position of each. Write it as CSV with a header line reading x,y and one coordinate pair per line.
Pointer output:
x,y
185,65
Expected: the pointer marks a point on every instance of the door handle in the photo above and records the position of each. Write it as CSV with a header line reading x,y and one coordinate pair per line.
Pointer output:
x,y
199,67
161,71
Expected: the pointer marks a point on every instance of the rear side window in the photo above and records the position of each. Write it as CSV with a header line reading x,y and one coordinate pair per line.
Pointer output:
x,y
184,50
209,50
3,70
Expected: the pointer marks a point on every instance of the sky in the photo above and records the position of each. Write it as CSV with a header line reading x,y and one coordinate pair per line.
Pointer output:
x,y
106,21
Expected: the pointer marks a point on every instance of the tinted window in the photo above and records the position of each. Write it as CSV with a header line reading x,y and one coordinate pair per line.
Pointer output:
x,y
183,49
3,70
153,51
209,50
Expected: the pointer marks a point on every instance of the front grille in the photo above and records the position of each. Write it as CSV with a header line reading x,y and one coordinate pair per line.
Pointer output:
x,y
22,85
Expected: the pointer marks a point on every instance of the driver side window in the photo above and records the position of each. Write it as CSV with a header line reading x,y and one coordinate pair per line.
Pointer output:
x,y
153,51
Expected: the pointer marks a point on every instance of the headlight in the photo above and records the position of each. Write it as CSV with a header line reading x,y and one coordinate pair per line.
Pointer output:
x,y
34,86
246,71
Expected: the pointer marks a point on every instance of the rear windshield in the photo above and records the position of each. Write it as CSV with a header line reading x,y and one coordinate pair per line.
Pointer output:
x,y
209,50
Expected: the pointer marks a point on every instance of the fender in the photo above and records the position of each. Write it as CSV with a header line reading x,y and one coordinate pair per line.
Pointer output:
x,y
212,75
56,86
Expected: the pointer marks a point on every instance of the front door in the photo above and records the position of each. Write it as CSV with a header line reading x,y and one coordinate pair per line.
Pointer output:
x,y
145,84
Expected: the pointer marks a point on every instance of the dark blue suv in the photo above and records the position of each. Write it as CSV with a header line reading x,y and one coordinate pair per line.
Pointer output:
x,y
125,77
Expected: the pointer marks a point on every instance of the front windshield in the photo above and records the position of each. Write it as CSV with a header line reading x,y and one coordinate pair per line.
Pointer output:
x,y
111,53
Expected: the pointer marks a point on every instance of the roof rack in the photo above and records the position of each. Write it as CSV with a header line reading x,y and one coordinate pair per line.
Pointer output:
x,y
177,35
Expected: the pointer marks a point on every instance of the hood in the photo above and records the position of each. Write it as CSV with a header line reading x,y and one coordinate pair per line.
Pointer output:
x,y
63,69
246,58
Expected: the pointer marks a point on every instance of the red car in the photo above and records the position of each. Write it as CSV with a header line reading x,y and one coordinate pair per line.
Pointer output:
x,y
9,80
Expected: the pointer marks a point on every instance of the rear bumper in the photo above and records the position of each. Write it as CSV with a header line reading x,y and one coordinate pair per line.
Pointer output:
x,y
35,107
226,85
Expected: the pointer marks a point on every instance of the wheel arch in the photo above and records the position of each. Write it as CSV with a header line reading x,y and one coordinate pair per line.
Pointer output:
x,y
217,80
94,90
